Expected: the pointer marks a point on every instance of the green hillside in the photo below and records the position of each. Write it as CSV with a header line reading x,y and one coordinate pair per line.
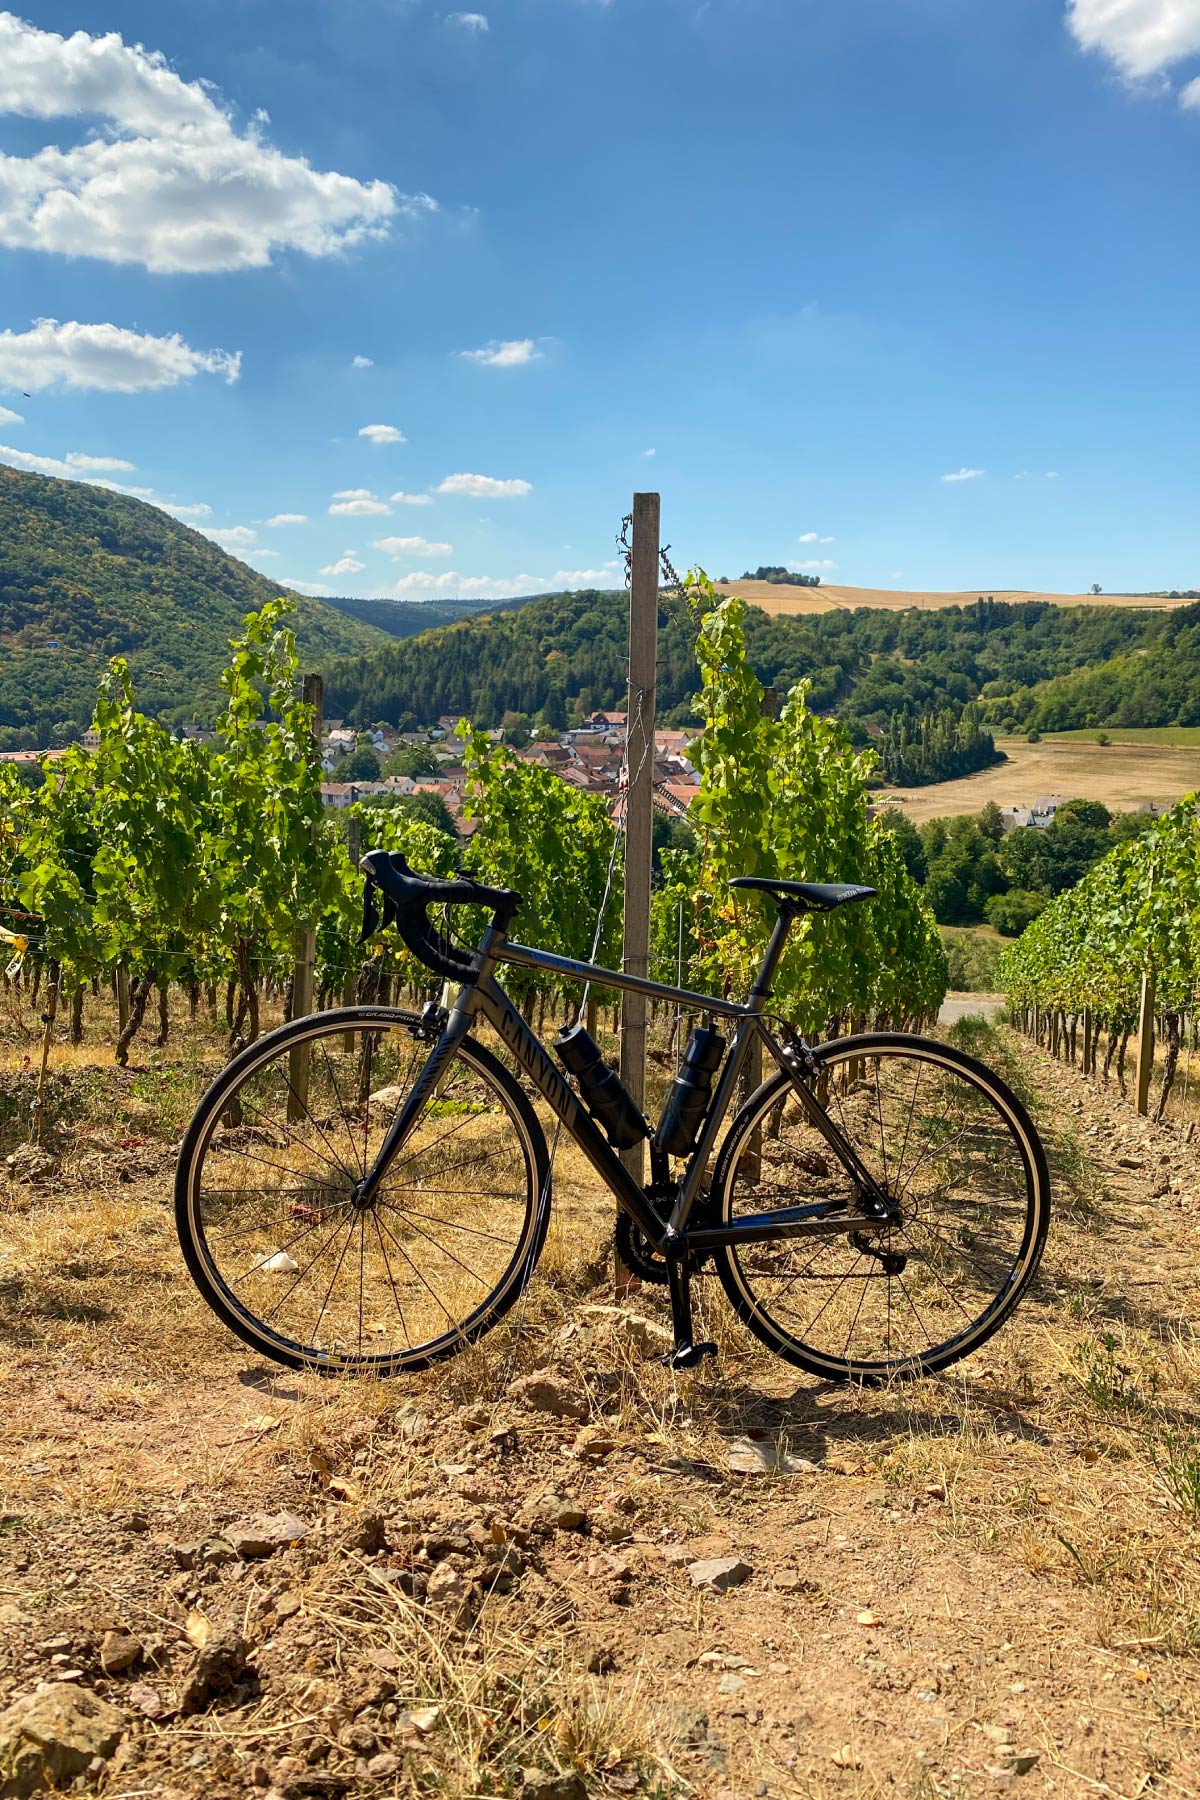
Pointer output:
x,y
86,574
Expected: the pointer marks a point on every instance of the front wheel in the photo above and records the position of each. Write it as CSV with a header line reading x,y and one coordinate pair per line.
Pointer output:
x,y
957,1154
265,1196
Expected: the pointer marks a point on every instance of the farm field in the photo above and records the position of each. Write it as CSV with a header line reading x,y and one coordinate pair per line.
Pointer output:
x,y
773,598
1129,734
1122,775
987,1577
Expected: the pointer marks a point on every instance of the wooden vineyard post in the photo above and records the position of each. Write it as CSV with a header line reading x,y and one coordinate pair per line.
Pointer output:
x,y
48,1018
1089,1047
1145,1042
122,983
639,804
305,948
1145,1048
353,851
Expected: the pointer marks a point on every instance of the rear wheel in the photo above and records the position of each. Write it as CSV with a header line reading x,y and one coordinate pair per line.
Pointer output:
x,y
956,1152
265,1207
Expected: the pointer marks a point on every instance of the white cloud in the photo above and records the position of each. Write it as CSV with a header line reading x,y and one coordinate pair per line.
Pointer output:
x,y
403,499
318,588
98,462
1189,96
649,452
345,565
1141,37
513,353
383,434
277,519
489,587
358,503
420,585
965,475
411,546
813,537
185,511
361,362
8,417
72,467
583,578
826,564
484,487
1036,475
169,181
468,21
231,537
268,553
106,357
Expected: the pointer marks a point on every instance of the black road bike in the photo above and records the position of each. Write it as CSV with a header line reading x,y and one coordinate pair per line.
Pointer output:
x,y
369,1189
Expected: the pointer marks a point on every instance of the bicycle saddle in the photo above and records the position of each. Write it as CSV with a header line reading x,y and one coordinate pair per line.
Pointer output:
x,y
805,896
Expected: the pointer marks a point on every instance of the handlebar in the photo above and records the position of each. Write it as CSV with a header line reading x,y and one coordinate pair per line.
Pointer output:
x,y
407,897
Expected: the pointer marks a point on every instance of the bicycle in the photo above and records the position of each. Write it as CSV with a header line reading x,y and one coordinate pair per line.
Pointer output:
x,y
877,1207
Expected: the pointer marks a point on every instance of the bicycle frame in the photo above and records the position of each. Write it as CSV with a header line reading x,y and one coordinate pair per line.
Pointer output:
x,y
484,997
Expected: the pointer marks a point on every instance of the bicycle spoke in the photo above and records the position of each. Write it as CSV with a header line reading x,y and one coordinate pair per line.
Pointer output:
x,y
387,1263
337,1094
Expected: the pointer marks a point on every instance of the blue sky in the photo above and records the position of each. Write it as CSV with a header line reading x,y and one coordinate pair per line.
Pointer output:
x,y
793,263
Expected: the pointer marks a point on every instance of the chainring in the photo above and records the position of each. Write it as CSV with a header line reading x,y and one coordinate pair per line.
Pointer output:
x,y
638,1253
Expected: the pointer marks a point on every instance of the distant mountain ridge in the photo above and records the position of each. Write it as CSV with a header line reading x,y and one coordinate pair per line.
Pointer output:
x,y
86,574
407,618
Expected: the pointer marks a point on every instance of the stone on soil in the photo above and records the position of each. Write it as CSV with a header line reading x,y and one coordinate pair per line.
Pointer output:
x,y
53,1735
719,1573
219,1667
546,1393
261,1534
119,1650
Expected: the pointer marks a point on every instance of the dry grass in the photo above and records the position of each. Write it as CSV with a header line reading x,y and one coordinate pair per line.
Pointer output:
x,y
832,597
1123,776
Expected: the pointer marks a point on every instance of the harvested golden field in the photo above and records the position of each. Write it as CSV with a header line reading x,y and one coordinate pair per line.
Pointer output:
x,y
1123,776
775,599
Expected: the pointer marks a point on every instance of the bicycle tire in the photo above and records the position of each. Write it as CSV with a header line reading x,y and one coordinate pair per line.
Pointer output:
x,y
223,1095
739,1281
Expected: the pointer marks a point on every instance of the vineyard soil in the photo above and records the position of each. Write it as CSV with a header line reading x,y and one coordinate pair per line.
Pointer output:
x,y
1122,775
986,1580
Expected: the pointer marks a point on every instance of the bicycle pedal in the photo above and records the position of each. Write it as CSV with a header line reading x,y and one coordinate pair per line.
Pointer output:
x,y
688,1355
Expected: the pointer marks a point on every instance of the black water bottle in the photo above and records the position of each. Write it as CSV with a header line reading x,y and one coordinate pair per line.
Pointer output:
x,y
687,1102
604,1093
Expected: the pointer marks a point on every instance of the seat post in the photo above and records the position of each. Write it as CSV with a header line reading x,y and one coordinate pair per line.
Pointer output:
x,y
757,998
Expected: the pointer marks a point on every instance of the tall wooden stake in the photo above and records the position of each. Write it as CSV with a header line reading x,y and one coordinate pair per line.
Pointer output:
x,y
305,947
639,798
1145,1049
349,985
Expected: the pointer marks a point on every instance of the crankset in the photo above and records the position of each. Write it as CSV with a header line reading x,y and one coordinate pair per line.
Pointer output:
x,y
637,1252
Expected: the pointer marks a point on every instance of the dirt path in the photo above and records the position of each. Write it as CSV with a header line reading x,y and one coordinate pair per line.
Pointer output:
x,y
985,1581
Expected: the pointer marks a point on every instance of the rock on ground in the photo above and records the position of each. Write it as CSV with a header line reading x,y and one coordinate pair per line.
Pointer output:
x,y
53,1735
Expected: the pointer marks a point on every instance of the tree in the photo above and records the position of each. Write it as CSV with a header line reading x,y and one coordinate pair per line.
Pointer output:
x,y
908,840
362,764
1096,588
1010,913
410,759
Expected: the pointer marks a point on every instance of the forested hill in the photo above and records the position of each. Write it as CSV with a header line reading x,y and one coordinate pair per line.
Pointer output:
x,y
565,655
86,574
